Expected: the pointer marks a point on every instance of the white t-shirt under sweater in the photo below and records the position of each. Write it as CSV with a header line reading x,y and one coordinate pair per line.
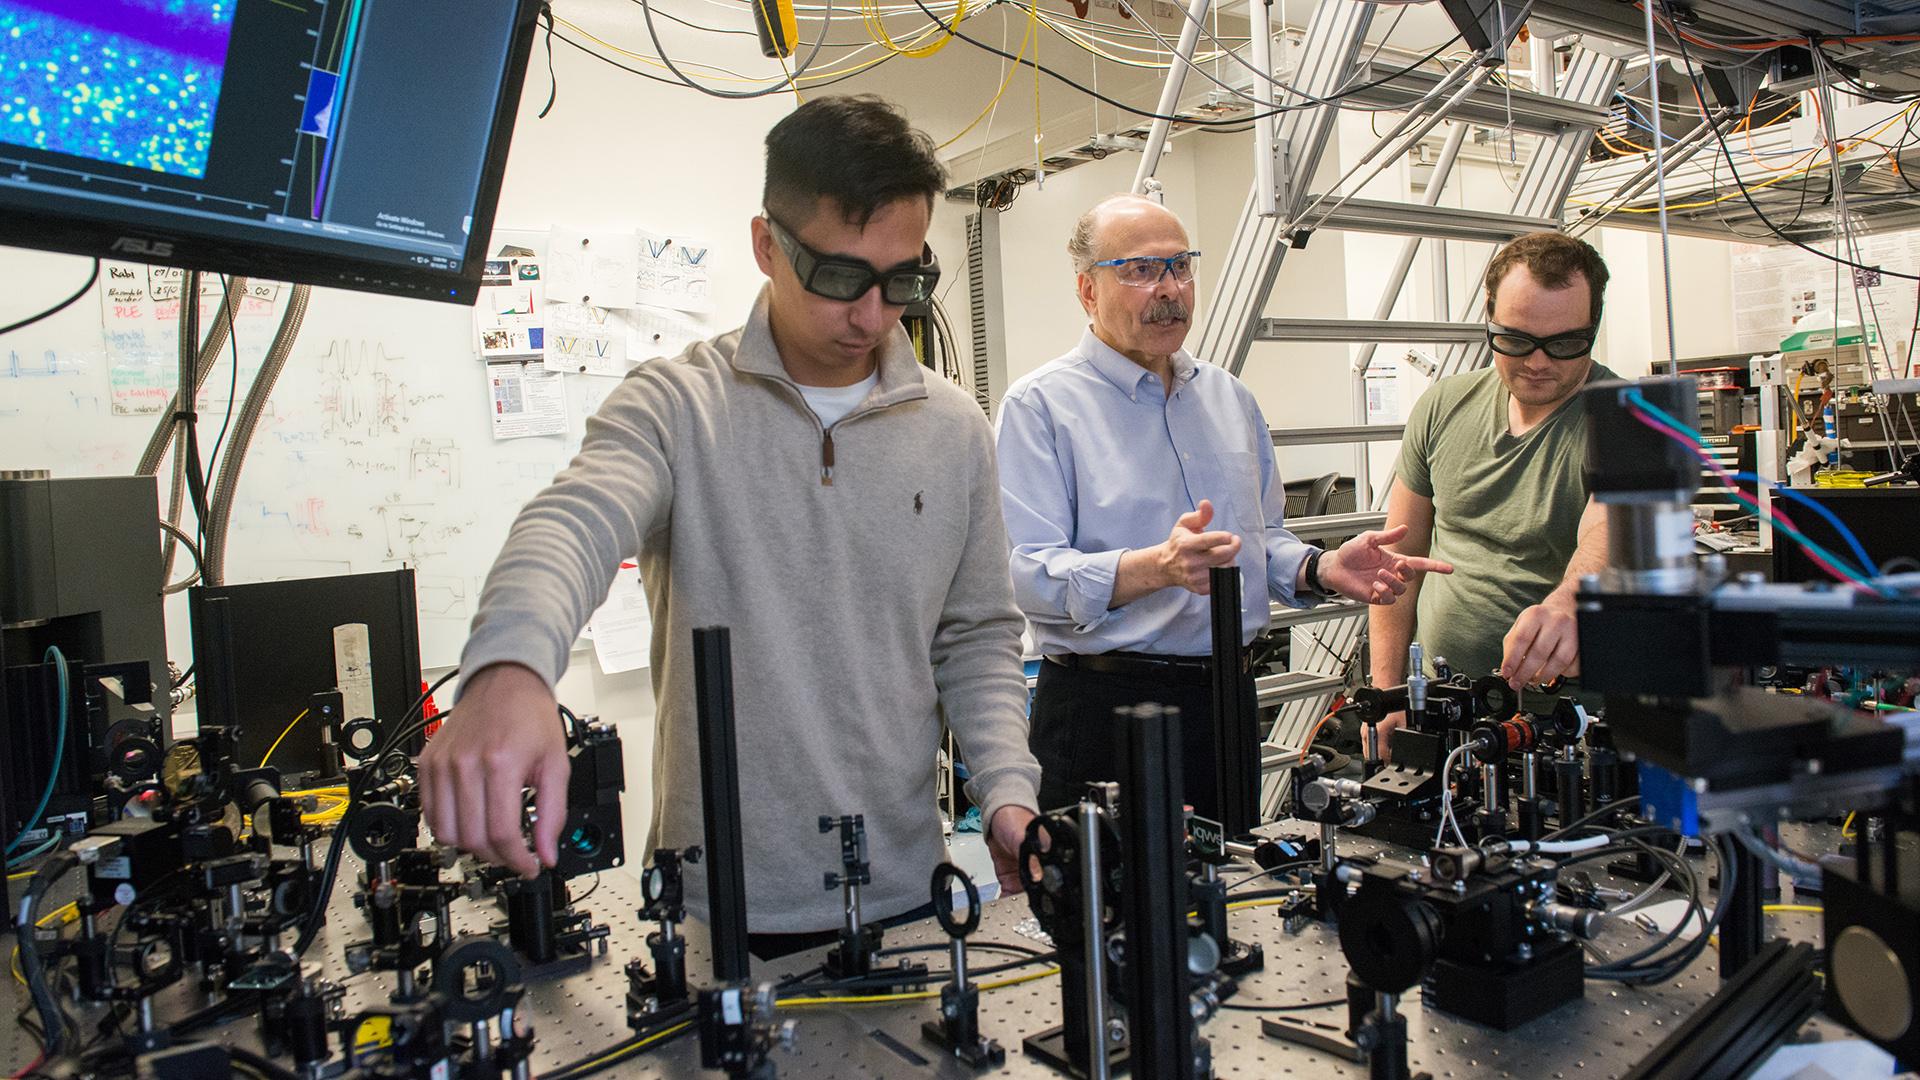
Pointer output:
x,y
830,403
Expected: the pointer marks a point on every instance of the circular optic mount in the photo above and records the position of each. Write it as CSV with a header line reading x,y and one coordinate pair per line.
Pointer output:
x,y
1049,855
1203,955
477,975
1494,698
1871,982
155,961
1051,841
956,925
1388,941
360,737
133,759
381,831
291,896
180,767
394,765
1316,796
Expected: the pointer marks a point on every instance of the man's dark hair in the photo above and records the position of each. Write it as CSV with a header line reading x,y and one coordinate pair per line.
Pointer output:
x,y
1553,259
858,151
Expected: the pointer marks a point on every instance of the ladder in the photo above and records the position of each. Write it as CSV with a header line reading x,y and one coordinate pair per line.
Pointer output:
x,y
1273,220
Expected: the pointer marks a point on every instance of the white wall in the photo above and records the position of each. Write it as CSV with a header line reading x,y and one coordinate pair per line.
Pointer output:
x,y
1635,326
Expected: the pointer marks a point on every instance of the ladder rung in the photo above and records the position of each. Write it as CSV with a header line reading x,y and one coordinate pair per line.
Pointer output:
x,y
1487,106
1364,330
1281,616
1436,222
1328,526
1320,436
1294,686
1274,757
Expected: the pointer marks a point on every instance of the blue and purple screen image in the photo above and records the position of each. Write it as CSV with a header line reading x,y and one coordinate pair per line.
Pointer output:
x,y
131,82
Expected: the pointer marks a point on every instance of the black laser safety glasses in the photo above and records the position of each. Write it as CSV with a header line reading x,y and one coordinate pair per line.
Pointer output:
x,y
1570,345
838,278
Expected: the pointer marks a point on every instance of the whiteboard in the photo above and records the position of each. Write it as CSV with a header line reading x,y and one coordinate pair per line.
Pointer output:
x,y
376,450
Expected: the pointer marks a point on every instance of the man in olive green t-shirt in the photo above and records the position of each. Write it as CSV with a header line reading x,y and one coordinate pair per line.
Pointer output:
x,y
1489,479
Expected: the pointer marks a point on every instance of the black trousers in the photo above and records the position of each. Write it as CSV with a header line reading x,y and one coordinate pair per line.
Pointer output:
x,y
1077,741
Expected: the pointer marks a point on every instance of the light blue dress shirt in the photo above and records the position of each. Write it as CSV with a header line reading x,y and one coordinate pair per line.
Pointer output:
x,y
1096,460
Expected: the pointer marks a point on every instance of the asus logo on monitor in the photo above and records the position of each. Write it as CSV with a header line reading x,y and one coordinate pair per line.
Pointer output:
x,y
152,249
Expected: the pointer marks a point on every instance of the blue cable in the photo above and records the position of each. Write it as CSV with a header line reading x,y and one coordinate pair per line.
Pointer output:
x,y
1658,413
53,653
1655,411
28,856
1872,568
1642,123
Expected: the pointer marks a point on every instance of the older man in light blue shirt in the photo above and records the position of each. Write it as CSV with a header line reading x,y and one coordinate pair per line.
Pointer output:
x,y
1105,450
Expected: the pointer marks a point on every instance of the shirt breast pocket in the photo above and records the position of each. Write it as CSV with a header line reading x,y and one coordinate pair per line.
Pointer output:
x,y
1235,492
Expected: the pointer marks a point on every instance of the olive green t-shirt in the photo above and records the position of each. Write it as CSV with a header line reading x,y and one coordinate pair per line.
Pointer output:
x,y
1506,510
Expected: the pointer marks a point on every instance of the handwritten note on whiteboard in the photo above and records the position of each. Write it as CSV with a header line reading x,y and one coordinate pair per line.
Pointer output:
x,y
140,326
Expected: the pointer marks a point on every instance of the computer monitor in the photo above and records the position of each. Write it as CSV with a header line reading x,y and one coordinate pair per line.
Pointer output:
x,y
356,143
264,650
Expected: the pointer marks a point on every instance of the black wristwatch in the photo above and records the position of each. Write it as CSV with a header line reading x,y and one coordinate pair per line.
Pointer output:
x,y
1313,573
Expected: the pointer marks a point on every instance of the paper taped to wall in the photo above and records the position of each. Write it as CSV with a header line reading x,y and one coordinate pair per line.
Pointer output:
x,y
527,399
583,340
595,268
674,272
622,630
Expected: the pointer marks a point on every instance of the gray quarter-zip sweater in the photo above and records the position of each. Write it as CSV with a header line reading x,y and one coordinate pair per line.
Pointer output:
x,y
862,569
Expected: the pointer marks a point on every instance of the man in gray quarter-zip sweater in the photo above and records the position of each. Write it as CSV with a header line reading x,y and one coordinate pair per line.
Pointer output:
x,y
803,481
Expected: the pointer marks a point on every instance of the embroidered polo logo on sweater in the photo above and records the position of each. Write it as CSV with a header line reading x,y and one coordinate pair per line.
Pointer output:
x,y
917,506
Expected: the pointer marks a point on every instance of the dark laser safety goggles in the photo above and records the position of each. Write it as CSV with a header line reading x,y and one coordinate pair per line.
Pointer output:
x,y
839,278
1570,345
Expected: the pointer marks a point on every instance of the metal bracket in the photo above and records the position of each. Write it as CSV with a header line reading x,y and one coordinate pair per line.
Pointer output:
x,y
1282,175
1484,31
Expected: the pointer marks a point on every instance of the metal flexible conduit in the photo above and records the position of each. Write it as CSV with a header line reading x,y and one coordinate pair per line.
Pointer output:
x,y
169,427
220,511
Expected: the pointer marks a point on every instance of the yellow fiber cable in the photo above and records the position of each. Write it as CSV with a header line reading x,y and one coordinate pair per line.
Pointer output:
x,y
283,735
714,73
1012,70
65,915
877,29
912,995
651,60
1809,157
1084,42
609,1058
